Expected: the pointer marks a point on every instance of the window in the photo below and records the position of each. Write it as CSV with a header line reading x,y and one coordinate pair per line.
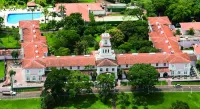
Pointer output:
x,y
27,78
40,71
33,78
27,71
62,67
70,67
101,69
172,65
105,41
185,72
126,65
105,51
40,78
107,69
179,72
172,72
108,50
156,64
119,66
113,69
78,67
164,64
186,65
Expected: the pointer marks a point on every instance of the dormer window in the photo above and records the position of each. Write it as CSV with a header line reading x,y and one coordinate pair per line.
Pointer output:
x,y
105,41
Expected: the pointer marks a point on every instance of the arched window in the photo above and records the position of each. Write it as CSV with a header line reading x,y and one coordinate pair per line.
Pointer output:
x,y
108,50
105,51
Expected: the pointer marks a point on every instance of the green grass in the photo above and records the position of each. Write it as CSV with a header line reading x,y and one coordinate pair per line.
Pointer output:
x,y
2,69
187,83
161,83
158,83
8,41
86,1
20,104
154,101
27,89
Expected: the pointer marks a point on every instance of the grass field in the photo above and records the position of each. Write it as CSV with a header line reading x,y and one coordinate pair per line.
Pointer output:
x,y
187,83
158,83
155,101
86,1
8,41
2,69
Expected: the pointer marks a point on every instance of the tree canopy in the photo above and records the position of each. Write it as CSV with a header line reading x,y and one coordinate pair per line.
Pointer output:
x,y
179,105
143,76
60,85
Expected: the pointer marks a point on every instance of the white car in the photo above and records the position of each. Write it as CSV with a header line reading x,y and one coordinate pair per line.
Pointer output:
x,y
9,93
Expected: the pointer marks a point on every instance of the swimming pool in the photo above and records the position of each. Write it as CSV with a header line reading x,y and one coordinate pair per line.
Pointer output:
x,y
16,17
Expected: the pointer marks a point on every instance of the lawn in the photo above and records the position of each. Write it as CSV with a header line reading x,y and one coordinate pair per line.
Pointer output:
x,y
158,83
86,1
27,89
187,83
155,101
8,41
1,69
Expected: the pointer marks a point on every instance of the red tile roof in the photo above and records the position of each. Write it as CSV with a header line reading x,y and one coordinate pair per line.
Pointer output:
x,y
160,20
67,61
147,58
196,49
188,25
162,36
106,62
34,45
31,3
82,8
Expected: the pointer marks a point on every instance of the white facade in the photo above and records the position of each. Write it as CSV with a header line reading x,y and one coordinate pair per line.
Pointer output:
x,y
105,51
34,74
180,69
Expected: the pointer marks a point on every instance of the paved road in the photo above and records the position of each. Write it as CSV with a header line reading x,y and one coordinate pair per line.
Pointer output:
x,y
36,94
22,95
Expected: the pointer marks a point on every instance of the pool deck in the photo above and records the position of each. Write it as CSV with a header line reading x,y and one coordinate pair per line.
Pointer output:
x,y
4,14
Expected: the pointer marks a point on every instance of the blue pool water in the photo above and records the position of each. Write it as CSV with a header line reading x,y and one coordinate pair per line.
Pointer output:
x,y
16,17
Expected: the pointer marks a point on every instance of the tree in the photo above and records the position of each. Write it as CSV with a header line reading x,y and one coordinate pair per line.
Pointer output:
x,y
53,14
143,76
15,54
179,105
127,28
46,13
198,64
62,51
12,73
1,22
190,31
62,10
138,12
63,84
32,10
123,100
178,32
107,84
117,37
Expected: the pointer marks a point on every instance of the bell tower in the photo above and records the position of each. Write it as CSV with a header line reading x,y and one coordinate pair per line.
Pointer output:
x,y
105,51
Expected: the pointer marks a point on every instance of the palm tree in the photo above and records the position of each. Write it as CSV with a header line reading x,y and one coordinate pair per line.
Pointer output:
x,y
32,10
45,12
15,54
1,22
62,10
53,14
12,73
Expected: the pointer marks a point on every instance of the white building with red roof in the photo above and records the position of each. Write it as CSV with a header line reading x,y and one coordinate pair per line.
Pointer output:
x,y
169,62
187,40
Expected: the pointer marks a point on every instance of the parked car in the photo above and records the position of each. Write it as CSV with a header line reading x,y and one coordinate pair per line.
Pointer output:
x,y
177,86
12,93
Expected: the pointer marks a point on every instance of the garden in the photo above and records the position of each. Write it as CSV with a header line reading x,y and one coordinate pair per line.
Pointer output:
x,y
2,68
